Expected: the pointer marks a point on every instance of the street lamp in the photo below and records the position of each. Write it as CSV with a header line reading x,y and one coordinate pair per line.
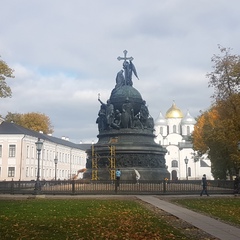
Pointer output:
x,y
186,162
56,162
39,145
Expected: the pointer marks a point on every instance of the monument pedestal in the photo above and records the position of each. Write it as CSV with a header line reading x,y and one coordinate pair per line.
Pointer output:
x,y
132,151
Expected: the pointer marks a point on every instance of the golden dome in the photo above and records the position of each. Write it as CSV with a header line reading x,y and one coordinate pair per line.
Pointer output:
x,y
174,112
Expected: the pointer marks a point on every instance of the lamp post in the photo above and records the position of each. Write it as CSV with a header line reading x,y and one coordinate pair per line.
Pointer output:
x,y
56,162
39,145
186,162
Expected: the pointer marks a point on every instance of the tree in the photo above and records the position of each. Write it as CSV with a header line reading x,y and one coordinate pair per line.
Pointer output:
x,y
34,121
225,79
217,131
13,117
5,72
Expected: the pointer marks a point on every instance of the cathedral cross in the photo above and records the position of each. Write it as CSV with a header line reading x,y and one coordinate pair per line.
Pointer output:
x,y
125,57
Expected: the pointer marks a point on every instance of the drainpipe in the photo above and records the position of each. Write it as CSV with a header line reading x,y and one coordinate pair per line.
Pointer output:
x,y
21,159
42,158
70,163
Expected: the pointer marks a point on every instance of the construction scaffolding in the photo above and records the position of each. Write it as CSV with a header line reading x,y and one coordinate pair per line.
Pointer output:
x,y
111,158
94,165
112,161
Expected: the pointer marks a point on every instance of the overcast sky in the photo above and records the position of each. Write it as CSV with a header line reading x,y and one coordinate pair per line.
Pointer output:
x,y
65,52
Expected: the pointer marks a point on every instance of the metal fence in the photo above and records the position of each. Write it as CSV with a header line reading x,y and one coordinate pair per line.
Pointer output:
x,y
87,187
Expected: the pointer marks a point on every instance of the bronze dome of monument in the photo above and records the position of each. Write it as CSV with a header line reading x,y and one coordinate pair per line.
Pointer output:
x,y
119,96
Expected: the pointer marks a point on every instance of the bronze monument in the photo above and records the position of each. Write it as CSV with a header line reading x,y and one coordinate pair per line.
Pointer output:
x,y
126,138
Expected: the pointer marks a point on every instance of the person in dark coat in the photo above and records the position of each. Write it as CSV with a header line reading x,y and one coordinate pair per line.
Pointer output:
x,y
204,185
236,185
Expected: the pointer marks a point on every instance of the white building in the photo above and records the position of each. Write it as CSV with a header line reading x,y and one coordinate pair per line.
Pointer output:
x,y
173,132
18,155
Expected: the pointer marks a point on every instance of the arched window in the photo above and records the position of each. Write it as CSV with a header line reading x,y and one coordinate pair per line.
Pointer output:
x,y
174,128
161,130
174,163
174,175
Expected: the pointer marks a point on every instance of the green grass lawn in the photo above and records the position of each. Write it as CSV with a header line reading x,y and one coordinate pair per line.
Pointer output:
x,y
226,209
81,219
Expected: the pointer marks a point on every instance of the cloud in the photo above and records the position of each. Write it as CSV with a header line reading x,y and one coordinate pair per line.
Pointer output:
x,y
65,52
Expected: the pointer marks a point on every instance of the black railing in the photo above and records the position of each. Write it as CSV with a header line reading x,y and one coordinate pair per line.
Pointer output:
x,y
80,187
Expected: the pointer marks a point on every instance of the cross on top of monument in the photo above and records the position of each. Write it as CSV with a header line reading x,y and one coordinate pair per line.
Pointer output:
x,y
125,57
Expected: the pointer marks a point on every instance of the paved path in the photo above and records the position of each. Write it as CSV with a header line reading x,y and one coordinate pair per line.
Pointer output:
x,y
215,228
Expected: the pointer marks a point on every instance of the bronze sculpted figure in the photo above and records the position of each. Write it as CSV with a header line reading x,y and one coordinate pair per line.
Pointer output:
x,y
120,81
127,114
109,112
144,114
123,115
129,68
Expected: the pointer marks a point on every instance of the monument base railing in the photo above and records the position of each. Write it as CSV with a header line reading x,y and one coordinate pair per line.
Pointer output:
x,y
89,187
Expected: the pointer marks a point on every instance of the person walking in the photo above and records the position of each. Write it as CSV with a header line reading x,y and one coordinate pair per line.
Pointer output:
x,y
236,185
204,185
118,175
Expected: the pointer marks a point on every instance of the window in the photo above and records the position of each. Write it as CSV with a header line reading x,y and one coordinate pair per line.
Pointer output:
x,y
189,172
174,163
27,151
43,154
27,171
188,130
0,150
12,150
174,128
161,130
11,171
33,151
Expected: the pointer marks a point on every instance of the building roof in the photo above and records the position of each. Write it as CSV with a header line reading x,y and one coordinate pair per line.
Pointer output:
x,y
85,146
160,121
174,112
203,163
186,144
188,119
12,128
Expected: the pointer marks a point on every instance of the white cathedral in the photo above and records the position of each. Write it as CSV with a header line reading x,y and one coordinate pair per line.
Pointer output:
x,y
173,132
